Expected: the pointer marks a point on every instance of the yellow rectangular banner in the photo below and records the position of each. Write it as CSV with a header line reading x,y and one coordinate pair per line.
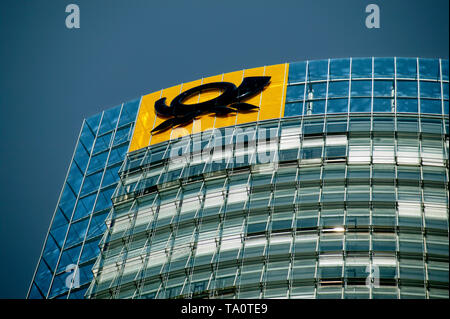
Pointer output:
x,y
270,102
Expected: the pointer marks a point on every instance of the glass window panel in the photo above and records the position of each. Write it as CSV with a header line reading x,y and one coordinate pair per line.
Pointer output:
x,y
338,89
91,183
429,69
407,106
312,127
87,137
430,89
407,88
318,90
111,176
109,120
384,242
303,269
295,92
293,109
358,172
430,106
361,88
335,126
129,112
318,70
359,124
434,174
330,245
383,88
308,195
117,154
84,206
337,106
438,248
97,162
80,160
122,135
383,124
445,90
104,199
97,225
412,173
311,152
318,107
102,143
360,105
383,68
432,126
383,105
361,67
339,68
406,68
407,124
77,232
335,151
412,273
384,171
297,72
309,174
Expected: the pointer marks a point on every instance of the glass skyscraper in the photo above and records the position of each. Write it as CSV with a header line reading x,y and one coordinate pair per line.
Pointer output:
x,y
335,187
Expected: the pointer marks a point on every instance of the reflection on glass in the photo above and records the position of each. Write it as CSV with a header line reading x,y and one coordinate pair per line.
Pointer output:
x,y
407,105
429,69
338,89
337,106
361,88
361,68
339,68
406,68
383,105
360,105
383,67
430,106
318,70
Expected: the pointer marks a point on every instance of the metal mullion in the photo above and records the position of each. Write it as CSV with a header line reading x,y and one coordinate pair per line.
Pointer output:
x,y
419,112
349,90
54,213
371,95
75,206
373,83
395,100
326,95
98,192
302,119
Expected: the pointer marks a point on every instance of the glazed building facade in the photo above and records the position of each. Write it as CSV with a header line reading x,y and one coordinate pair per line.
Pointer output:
x,y
334,187
64,269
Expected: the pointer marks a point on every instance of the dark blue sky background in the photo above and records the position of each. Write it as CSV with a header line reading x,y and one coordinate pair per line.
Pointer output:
x,y
52,77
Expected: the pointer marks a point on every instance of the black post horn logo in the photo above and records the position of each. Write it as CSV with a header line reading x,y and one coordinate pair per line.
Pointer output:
x,y
229,101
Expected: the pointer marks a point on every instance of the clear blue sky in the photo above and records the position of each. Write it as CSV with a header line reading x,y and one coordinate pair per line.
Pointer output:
x,y
52,77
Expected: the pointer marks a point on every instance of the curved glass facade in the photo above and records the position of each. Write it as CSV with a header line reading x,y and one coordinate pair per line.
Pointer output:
x,y
72,243
345,196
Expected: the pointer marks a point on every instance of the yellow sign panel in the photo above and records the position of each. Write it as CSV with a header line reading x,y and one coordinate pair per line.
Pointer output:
x,y
270,101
